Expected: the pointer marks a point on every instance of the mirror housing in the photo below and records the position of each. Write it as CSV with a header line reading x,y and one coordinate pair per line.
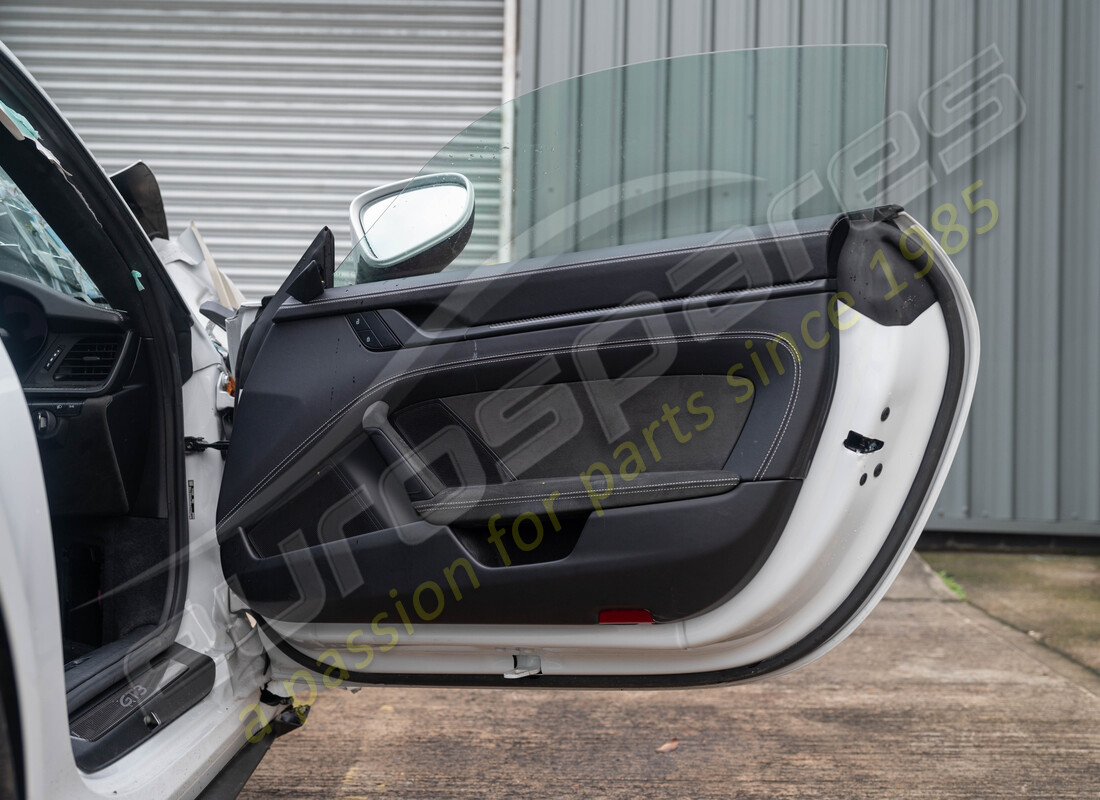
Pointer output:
x,y
415,226
139,188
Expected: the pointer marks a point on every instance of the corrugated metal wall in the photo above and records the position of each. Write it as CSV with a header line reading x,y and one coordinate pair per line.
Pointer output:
x,y
687,146
1030,461
262,119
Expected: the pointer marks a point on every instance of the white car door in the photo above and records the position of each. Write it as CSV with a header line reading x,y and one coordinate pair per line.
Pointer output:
x,y
670,408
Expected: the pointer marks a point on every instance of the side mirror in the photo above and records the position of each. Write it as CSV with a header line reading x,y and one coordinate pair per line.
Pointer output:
x,y
139,188
414,226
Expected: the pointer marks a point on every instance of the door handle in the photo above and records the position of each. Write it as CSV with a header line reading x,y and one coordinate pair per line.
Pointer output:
x,y
409,467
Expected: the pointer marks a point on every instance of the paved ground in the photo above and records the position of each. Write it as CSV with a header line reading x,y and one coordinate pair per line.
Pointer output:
x,y
931,698
1054,599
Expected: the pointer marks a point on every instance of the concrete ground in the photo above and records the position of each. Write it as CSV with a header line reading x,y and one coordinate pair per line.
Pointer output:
x,y
1054,599
930,698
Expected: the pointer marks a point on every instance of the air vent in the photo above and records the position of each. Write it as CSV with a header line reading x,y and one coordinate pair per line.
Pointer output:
x,y
90,360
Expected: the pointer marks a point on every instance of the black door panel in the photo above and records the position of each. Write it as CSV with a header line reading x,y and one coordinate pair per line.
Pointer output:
x,y
336,377
567,496
673,559
559,462
706,413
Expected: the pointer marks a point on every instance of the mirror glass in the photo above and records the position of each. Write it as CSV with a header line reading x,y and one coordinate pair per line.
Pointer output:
x,y
398,226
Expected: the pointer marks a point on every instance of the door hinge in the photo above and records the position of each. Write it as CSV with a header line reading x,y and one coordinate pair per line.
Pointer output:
x,y
525,666
197,444
290,718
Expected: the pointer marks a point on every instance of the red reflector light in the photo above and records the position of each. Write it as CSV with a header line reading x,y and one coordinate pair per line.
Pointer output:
x,y
623,616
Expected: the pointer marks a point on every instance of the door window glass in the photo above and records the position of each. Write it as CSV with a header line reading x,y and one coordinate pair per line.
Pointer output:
x,y
681,147
30,249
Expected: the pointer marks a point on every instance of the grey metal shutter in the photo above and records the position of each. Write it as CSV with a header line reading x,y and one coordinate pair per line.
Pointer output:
x,y
262,119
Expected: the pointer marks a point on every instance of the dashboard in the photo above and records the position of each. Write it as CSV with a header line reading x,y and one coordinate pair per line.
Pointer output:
x,y
24,328
60,345
87,393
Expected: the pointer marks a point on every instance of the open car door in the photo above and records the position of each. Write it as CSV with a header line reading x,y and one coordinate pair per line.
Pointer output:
x,y
665,397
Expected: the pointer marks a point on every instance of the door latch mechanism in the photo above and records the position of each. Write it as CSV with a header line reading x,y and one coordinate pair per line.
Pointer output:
x,y
197,444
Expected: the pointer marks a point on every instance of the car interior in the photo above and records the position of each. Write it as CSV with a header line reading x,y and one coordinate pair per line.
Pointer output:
x,y
90,393
79,326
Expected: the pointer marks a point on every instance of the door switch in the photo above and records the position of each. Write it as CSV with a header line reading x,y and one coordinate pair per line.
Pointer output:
x,y
68,409
372,331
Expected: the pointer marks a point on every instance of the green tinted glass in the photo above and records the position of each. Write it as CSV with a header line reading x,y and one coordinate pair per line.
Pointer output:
x,y
30,249
670,148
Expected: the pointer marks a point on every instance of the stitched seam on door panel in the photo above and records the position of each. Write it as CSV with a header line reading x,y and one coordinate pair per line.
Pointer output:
x,y
511,357
671,303
732,480
774,448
